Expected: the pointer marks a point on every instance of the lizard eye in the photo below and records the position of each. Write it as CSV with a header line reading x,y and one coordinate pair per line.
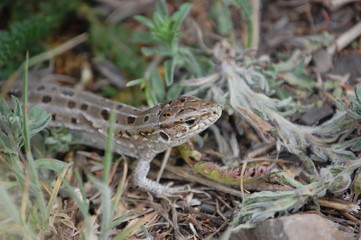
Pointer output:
x,y
190,121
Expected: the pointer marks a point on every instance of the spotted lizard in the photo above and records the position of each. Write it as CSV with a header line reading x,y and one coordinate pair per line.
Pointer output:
x,y
139,133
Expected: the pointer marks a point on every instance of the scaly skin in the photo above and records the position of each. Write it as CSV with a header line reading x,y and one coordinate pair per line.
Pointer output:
x,y
138,133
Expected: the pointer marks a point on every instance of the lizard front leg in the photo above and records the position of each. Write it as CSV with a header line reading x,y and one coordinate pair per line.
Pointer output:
x,y
140,179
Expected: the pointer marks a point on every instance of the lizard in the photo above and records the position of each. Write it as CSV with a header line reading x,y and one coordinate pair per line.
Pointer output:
x,y
139,133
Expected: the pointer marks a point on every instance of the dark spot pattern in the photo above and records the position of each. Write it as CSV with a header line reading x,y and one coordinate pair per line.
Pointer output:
x,y
166,114
120,106
68,92
146,118
145,133
182,100
127,133
71,104
105,114
131,120
16,93
164,136
84,107
40,88
74,121
53,117
46,99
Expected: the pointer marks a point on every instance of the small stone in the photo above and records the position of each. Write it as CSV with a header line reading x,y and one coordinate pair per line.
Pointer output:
x,y
208,208
315,115
294,227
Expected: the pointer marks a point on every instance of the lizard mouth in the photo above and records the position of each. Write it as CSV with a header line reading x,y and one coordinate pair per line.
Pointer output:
x,y
208,119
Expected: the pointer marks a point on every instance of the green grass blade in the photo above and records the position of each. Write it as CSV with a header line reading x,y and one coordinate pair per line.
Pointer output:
x,y
106,206
84,209
34,178
109,148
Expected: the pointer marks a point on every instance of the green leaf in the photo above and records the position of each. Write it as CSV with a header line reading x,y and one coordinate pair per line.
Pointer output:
x,y
135,82
222,16
121,219
158,87
155,51
161,8
9,207
17,106
169,67
52,164
38,119
358,93
142,37
180,15
59,140
174,91
6,146
160,22
4,108
146,21
192,62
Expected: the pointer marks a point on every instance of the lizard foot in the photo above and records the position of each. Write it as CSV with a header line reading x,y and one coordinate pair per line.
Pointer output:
x,y
169,191
159,190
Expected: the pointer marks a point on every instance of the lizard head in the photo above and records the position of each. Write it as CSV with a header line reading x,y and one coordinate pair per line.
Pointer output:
x,y
182,118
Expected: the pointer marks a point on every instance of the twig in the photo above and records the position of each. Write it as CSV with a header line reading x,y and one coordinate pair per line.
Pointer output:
x,y
201,81
260,151
343,40
346,207
164,163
